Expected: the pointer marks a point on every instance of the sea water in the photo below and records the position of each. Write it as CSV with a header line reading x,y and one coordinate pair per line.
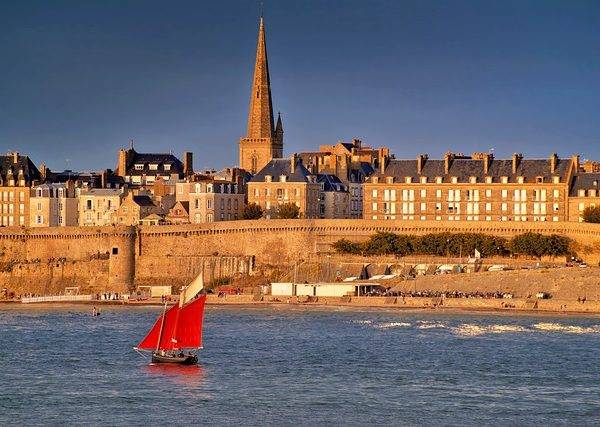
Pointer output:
x,y
290,366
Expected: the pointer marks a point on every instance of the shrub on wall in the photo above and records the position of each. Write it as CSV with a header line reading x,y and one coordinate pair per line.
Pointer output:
x,y
288,211
252,211
591,214
456,244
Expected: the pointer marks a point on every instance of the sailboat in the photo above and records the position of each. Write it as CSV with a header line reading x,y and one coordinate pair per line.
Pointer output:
x,y
177,333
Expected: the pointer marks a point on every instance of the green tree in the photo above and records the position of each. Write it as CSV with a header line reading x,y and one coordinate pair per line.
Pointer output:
x,y
252,211
592,214
345,246
288,211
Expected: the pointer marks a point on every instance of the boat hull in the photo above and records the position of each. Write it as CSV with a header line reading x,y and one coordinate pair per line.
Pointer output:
x,y
190,359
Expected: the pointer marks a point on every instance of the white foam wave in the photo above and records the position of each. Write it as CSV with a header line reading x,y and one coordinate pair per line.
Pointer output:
x,y
362,322
389,325
467,329
430,325
569,329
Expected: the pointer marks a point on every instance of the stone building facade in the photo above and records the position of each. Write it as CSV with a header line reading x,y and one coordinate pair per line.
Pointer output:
x,y
264,139
53,205
17,175
471,188
97,205
215,200
285,181
334,197
133,209
584,193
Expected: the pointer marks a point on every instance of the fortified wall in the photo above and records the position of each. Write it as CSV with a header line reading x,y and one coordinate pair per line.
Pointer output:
x,y
98,259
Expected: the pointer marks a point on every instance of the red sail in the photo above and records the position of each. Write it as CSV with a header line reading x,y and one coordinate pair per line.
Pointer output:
x,y
188,331
182,328
149,343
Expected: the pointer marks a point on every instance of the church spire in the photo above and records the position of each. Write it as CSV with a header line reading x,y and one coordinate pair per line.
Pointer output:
x,y
260,116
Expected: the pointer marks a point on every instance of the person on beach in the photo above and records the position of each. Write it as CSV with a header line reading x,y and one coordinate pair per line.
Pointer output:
x,y
94,312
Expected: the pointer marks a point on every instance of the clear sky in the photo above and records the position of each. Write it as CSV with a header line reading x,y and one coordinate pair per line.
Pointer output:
x,y
79,78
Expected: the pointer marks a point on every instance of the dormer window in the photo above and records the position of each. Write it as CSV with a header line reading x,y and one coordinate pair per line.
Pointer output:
x,y
375,180
139,167
209,188
473,180
556,179
488,180
389,179
268,178
520,179
454,180
407,179
504,180
153,166
167,167
539,179
438,179
198,188
581,193
283,178
39,192
423,180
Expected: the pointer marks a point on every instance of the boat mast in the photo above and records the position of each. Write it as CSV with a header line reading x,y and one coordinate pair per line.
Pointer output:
x,y
162,326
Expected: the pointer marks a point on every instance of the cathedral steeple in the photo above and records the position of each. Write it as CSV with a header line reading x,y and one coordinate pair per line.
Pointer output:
x,y
260,116
263,141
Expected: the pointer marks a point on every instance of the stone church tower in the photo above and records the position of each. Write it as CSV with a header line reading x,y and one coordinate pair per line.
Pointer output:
x,y
264,140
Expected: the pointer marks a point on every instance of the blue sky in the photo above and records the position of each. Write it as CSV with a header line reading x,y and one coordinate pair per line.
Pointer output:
x,y
78,79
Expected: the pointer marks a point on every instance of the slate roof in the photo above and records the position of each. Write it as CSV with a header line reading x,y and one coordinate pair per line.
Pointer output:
x,y
585,181
331,182
278,167
463,169
143,201
159,159
24,163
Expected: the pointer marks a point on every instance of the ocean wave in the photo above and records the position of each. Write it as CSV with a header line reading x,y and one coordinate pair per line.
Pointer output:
x,y
467,329
430,325
569,329
362,322
390,325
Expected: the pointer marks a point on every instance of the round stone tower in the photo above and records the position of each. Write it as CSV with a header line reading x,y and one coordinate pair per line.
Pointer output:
x,y
121,267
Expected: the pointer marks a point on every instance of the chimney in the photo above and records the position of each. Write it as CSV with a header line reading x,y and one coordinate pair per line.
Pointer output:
x,y
448,161
575,161
553,162
421,162
188,164
15,155
122,167
516,160
293,161
382,164
487,160
104,179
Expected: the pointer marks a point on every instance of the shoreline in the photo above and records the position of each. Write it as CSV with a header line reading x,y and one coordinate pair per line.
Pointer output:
x,y
416,305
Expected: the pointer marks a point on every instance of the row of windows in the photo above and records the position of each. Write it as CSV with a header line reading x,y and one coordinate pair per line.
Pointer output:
x,y
454,180
471,208
469,194
9,221
9,196
151,166
209,204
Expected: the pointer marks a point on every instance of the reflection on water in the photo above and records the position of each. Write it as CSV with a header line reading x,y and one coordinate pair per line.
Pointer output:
x,y
336,367
183,375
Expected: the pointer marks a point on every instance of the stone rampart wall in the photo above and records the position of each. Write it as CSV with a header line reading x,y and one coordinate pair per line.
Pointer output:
x,y
153,253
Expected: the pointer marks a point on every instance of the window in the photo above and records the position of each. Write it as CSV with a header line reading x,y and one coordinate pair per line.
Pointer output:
x,y
153,166
280,193
423,194
504,180
556,179
438,179
423,180
139,167
209,204
488,180
115,251
374,193
38,192
488,193
454,180
88,205
167,167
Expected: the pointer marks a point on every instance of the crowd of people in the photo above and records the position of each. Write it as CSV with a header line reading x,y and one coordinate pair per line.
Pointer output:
x,y
450,294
